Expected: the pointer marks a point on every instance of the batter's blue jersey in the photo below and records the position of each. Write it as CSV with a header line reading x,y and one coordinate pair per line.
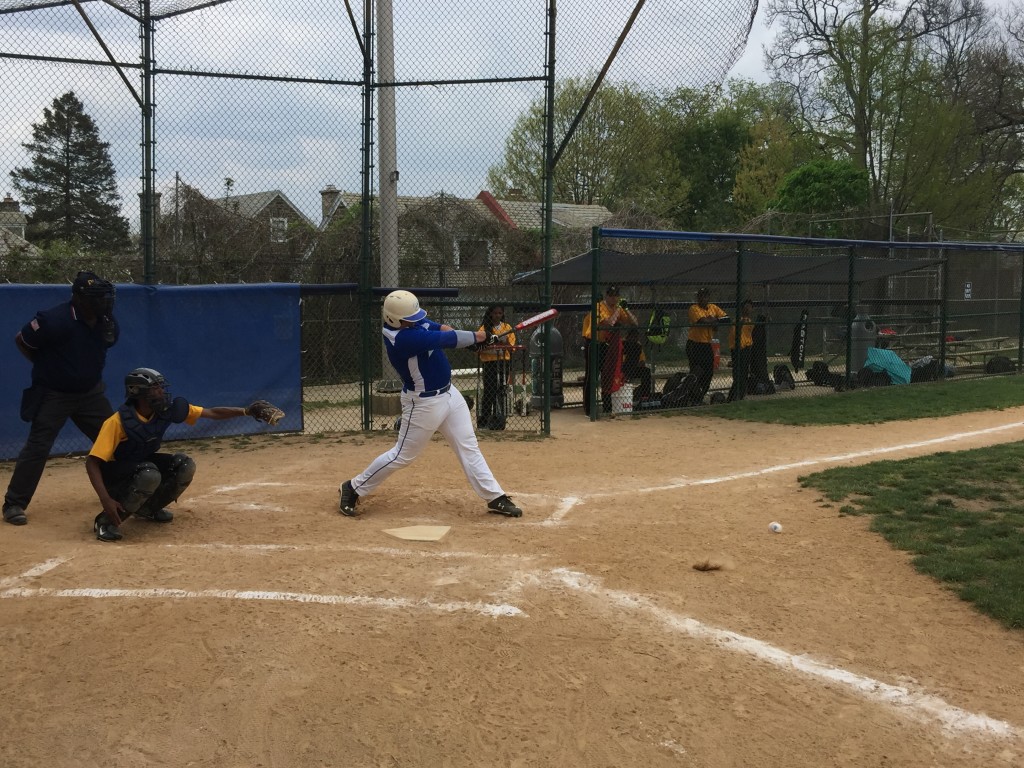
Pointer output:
x,y
415,352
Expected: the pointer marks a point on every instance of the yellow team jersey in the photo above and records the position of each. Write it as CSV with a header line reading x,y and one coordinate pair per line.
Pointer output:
x,y
490,354
112,432
702,333
603,318
746,334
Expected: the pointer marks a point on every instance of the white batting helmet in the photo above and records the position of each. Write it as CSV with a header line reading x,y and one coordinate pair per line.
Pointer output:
x,y
402,305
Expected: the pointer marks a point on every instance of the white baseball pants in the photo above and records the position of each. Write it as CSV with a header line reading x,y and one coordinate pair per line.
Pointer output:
x,y
421,417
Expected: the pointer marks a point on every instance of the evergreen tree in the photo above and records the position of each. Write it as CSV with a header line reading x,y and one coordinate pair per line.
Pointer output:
x,y
70,184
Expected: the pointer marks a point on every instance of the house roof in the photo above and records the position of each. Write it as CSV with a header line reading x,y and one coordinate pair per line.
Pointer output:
x,y
521,214
10,242
719,267
250,206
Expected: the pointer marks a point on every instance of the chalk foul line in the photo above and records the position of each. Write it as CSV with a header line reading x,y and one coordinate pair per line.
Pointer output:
x,y
486,609
31,573
922,706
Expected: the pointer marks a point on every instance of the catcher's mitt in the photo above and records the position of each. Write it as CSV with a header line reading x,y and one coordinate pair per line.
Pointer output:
x,y
266,412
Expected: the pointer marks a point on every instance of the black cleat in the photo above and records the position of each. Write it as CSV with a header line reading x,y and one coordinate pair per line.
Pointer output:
x,y
160,516
106,531
503,506
348,498
14,514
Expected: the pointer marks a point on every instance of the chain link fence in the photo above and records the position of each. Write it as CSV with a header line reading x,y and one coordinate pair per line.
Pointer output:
x,y
354,147
816,308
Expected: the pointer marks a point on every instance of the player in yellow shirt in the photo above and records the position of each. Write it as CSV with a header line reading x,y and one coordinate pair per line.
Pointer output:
x,y
704,318
741,352
611,313
495,360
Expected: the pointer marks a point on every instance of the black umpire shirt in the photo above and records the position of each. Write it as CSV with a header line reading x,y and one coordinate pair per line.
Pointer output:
x,y
69,355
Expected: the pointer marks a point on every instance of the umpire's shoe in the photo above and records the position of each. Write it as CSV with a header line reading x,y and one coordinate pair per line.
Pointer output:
x,y
503,506
14,514
105,530
348,499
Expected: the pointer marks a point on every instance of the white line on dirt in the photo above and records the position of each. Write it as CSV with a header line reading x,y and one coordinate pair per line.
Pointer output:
x,y
240,486
682,483
31,573
487,609
369,550
563,509
920,705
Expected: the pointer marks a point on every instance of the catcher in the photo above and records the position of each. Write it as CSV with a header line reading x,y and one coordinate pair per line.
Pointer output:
x,y
125,467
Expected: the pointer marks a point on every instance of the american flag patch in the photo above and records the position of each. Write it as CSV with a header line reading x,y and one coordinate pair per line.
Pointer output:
x,y
34,324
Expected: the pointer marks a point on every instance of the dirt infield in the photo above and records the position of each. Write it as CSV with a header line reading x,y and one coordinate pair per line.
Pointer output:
x,y
261,628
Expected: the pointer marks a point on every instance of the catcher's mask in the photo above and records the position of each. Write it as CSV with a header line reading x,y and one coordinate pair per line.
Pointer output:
x,y
402,305
140,383
92,289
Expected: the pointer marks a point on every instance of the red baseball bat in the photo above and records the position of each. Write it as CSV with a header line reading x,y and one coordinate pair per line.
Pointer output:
x,y
530,322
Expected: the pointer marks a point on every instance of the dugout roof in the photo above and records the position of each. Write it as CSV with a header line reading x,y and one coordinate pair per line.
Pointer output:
x,y
719,267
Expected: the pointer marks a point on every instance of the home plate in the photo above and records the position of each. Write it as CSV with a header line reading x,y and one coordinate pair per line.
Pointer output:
x,y
419,532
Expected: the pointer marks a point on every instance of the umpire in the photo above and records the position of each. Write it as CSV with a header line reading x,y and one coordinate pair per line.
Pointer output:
x,y
67,346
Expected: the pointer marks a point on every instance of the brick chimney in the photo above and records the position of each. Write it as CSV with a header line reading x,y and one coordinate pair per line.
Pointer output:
x,y
328,197
11,217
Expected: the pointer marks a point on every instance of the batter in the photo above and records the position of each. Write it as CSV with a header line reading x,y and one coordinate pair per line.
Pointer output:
x,y
429,404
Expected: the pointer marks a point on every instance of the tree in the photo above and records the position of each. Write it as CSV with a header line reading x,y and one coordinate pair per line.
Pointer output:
x,y
776,146
823,186
924,95
70,184
733,147
618,156
847,61
707,136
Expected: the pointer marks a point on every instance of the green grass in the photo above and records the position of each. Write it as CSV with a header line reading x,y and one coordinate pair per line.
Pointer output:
x,y
961,516
873,406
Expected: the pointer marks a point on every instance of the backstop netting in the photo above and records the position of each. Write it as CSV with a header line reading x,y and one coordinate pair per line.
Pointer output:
x,y
257,142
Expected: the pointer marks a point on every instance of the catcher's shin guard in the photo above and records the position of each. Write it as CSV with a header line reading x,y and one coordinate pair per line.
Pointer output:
x,y
143,483
177,478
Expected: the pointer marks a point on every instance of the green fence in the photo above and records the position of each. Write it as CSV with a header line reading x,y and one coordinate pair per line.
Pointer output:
x,y
948,309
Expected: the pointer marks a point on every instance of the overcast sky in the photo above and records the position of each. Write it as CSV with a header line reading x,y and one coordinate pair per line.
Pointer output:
x,y
300,138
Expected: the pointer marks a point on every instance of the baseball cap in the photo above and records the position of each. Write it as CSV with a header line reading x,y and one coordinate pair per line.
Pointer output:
x,y
611,290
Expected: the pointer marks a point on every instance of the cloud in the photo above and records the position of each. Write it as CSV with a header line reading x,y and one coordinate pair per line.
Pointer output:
x,y
299,137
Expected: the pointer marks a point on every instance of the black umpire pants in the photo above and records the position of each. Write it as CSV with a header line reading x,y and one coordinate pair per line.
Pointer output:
x,y
87,410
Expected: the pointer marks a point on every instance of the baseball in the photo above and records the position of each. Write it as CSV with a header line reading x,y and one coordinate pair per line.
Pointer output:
x,y
775,527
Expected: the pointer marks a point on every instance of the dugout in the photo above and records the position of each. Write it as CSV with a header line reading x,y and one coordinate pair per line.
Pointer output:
x,y
903,286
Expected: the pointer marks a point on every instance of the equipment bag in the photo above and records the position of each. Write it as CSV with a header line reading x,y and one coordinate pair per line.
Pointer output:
x,y
783,378
684,394
658,326
1000,364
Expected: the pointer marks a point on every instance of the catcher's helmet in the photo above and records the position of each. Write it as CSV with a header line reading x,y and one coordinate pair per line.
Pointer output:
x,y
139,384
402,305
